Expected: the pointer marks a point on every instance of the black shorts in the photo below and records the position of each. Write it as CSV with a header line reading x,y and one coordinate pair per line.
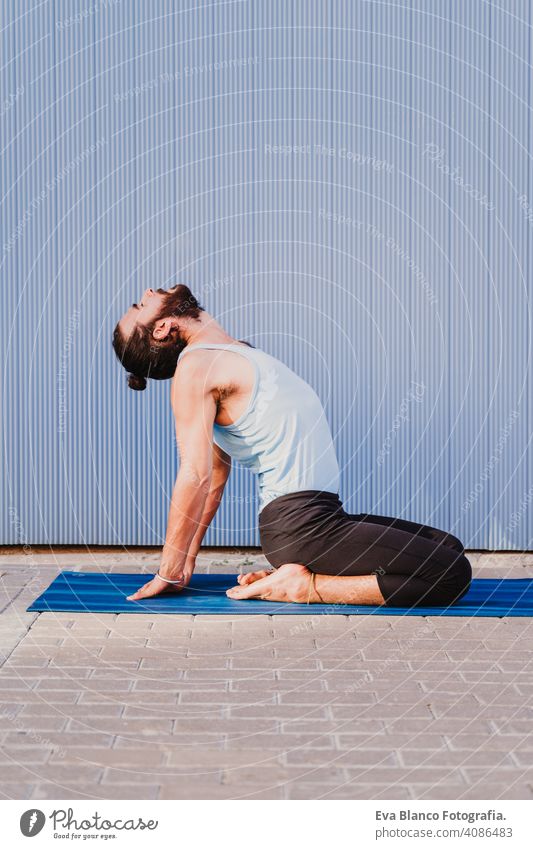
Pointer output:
x,y
415,565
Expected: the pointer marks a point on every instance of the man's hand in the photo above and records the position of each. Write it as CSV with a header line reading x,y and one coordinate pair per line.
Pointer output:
x,y
156,586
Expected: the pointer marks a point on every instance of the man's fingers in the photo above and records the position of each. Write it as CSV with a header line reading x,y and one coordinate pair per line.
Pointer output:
x,y
157,586
143,592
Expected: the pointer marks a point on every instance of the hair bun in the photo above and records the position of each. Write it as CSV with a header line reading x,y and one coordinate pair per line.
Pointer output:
x,y
135,381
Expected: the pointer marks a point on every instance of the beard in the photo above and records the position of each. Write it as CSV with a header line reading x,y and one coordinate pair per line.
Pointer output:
x,y
169,303
177,302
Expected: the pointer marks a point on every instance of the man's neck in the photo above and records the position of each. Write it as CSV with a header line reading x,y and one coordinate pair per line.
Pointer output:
x,y
207,329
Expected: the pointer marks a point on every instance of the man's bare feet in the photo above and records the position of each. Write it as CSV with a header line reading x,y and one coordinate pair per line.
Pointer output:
x,y
288,583
292,583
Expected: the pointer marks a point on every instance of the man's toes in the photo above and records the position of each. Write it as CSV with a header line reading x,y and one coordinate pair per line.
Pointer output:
x,y
250,577
254,590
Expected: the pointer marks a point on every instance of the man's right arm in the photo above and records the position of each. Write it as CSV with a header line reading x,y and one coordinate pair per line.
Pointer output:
x,y
219,477
194,408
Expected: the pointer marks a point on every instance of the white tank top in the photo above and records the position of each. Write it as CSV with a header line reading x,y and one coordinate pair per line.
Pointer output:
x,y
283,435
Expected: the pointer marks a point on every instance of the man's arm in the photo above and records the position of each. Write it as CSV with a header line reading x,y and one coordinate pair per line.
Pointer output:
x,y
219,477
194,408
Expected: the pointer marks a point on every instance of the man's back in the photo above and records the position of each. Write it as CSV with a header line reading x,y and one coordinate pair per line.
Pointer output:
x,y
282,433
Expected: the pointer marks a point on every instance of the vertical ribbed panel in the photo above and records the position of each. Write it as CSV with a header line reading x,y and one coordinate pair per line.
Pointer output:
x,y
386,258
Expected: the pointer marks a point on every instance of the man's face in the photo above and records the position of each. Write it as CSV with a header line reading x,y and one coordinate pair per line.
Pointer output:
x,y
153,304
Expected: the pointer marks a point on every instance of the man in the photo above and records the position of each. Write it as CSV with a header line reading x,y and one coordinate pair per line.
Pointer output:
x,y
231,400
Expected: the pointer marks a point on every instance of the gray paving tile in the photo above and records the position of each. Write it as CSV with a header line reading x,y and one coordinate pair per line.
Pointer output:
x,y
291,707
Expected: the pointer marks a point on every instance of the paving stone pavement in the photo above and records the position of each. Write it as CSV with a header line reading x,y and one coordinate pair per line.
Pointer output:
x,y
105,706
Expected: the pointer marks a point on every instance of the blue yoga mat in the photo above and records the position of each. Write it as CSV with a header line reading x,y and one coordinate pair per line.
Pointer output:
x,y
105,592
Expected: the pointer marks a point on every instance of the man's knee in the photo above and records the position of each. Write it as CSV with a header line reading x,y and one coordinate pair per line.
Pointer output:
x,y
465,575
459,582
416,591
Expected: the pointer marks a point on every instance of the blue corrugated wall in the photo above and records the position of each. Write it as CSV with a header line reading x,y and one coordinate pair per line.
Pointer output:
x,y
345,183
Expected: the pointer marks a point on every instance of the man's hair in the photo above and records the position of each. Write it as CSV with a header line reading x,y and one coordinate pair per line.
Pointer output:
x,y
145,357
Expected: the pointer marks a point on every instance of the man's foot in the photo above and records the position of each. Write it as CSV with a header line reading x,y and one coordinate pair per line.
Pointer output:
x,y
291,583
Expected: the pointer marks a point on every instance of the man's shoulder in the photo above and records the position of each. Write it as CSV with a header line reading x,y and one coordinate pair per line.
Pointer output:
x,y
208,368
199,360
193,373
192,361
